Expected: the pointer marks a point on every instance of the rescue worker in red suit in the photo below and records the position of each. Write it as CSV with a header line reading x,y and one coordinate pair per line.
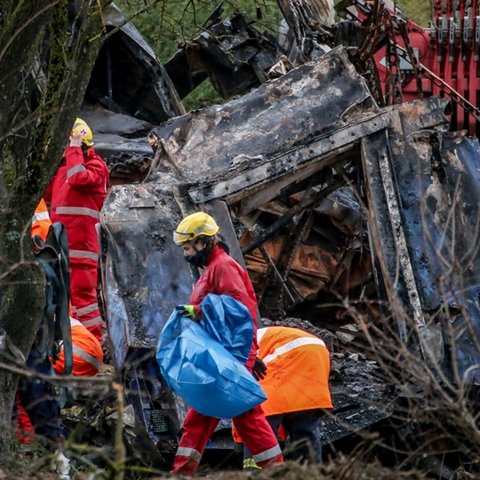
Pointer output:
x,y
196,234
76,194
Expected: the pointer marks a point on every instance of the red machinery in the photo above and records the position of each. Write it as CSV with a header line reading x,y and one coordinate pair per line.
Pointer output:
x,y
412,61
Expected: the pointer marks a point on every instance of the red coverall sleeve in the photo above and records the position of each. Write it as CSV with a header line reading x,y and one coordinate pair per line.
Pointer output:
x,y
47,195
81,174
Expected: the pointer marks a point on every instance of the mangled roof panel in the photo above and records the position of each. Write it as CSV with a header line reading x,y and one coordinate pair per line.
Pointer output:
x,y
223,140
128,78
231,52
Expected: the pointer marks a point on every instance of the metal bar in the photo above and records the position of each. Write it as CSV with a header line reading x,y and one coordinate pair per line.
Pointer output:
x,y
287,217
283,282
291,161
467,105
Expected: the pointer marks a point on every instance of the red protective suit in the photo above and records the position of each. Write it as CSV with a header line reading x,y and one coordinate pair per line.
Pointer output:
x,y
76,194
223,275
25,433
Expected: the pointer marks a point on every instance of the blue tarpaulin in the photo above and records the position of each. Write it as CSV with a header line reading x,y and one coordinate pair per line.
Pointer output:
x,y
198,368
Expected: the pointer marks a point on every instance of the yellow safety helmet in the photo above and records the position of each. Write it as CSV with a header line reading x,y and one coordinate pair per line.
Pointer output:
x,y
193,226
81,128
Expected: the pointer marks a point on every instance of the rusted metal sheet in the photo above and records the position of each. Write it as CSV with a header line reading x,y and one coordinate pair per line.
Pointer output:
x,y
328,255
310,269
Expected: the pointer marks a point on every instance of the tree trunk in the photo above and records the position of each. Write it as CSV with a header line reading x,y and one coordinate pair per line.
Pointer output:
x,y
45,65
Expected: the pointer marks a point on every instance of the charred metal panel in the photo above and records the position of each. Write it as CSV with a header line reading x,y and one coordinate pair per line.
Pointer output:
x,y
128,78
423,195
145,274
232,53
224,141
414,171
320,151
461,167
384,247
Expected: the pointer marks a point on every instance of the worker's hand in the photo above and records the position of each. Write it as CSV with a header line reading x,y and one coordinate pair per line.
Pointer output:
x,y
187,311
259,369
76,140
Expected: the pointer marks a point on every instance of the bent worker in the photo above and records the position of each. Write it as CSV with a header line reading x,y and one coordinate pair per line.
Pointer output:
x,y
297,388
222,275
87,360
87,352
76,194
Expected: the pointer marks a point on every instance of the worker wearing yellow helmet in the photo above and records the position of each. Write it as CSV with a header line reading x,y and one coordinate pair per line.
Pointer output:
x,y
76,194
81,132
197,234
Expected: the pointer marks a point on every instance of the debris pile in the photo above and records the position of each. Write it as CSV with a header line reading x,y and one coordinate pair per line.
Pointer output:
x,y
345,211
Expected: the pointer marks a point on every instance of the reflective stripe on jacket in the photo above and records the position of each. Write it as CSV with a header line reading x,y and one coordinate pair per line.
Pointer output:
x,y
87,352
76,193
298,367
41,220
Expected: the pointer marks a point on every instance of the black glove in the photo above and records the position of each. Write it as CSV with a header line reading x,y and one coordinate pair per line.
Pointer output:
x,y
107,349
259,369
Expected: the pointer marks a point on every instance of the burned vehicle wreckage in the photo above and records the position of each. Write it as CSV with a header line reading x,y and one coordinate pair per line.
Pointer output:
x,y
357,217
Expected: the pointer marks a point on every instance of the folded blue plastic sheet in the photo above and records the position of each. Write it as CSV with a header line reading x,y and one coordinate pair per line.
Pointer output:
x,y
228,322
200,370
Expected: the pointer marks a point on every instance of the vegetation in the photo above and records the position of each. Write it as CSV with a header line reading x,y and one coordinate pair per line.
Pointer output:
x,y
42,88
419,12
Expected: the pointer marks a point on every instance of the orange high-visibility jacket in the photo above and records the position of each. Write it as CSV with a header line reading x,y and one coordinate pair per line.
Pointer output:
x,y
298,366
41,220
87,352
